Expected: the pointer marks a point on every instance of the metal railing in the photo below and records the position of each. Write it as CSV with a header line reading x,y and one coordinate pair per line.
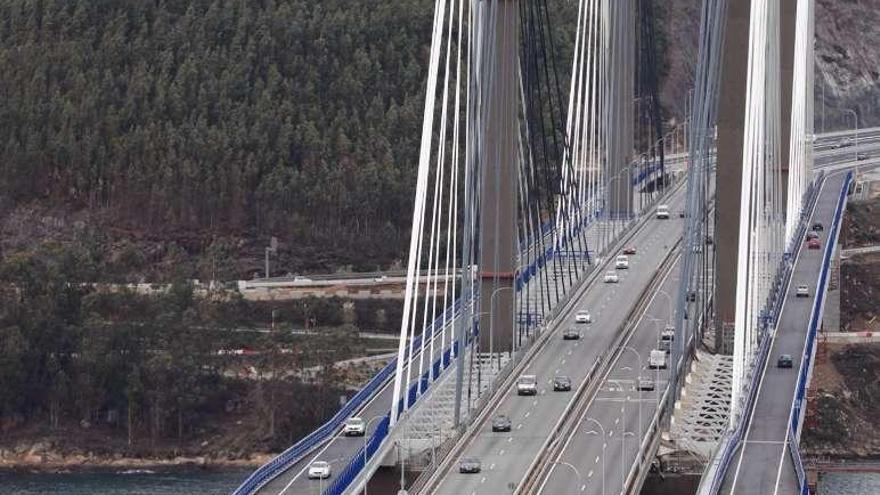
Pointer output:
x,y
272,469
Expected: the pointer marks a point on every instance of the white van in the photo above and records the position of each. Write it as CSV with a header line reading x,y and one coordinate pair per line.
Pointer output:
x,y
657,359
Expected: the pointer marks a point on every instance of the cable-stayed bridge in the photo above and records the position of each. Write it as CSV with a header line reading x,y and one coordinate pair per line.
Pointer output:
x,y
530,189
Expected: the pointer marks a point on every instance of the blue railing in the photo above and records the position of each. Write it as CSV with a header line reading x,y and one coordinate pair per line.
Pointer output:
x,y
730,442
359,461
295,453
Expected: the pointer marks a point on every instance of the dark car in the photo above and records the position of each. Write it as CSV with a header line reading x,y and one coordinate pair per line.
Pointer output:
x,y
469,465
629,250
785,361
818,227
691,296
501,423
812,235
571,334
561,383
861,156
814,244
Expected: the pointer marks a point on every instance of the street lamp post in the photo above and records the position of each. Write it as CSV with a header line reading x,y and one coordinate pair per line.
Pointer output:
x,y
492,323
574,469
856,124
604,444
639,371
622,433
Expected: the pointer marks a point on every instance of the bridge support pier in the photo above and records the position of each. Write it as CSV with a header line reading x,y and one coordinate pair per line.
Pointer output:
x,y
498,171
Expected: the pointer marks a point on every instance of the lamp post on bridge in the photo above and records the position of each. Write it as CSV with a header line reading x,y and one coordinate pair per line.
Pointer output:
x,y
856,128
492,323
604,444
622,432
574,469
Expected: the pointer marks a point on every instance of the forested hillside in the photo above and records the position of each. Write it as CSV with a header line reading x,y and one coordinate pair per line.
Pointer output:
x,y
295,118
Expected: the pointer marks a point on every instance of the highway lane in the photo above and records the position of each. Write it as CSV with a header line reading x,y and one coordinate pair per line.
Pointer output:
x,y
762,464
507,456
339,449
619,411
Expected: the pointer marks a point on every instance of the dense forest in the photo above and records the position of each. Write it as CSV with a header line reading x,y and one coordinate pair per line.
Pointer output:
x,y
152,369
294,118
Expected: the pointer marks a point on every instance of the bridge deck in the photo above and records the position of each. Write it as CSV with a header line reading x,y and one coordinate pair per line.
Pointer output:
x,y
506,456
763,463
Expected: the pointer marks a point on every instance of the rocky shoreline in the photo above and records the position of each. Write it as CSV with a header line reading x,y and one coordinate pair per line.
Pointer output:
x,y
44,461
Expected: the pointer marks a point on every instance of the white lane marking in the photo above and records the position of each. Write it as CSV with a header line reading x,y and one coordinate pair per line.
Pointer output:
x,y
597,460
583,487
483,480
590,474
563,360
525,416
519,426
491,466
501,452
535,403
616,420
509,439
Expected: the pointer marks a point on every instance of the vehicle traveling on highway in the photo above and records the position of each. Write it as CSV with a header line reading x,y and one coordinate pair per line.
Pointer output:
x,y
814,244
319,470
527,385
611,278
629,250
663,212
469,465
812,235
861,156
784,361
583,316
571,334
622,262
646,384
818,227
802,291
561,383
501,423
355,427
657,359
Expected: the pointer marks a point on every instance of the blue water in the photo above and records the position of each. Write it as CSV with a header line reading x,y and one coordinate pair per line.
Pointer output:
x,y
849,484
159,483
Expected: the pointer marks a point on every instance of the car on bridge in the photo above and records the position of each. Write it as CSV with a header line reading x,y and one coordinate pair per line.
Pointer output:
x,y
784,361
501,423
561,383
319,470
470,465
583,316
631,250
355,427
802,291
622,262
818,227
843,143
527,385
861,156
611,278
663,212
814,244
571,334
812,235
645,385
657,359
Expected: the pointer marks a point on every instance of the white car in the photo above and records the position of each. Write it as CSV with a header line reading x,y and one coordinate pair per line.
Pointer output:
x,y
319,470
622,262
663,212
583,316
611,278
802,291
354,427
